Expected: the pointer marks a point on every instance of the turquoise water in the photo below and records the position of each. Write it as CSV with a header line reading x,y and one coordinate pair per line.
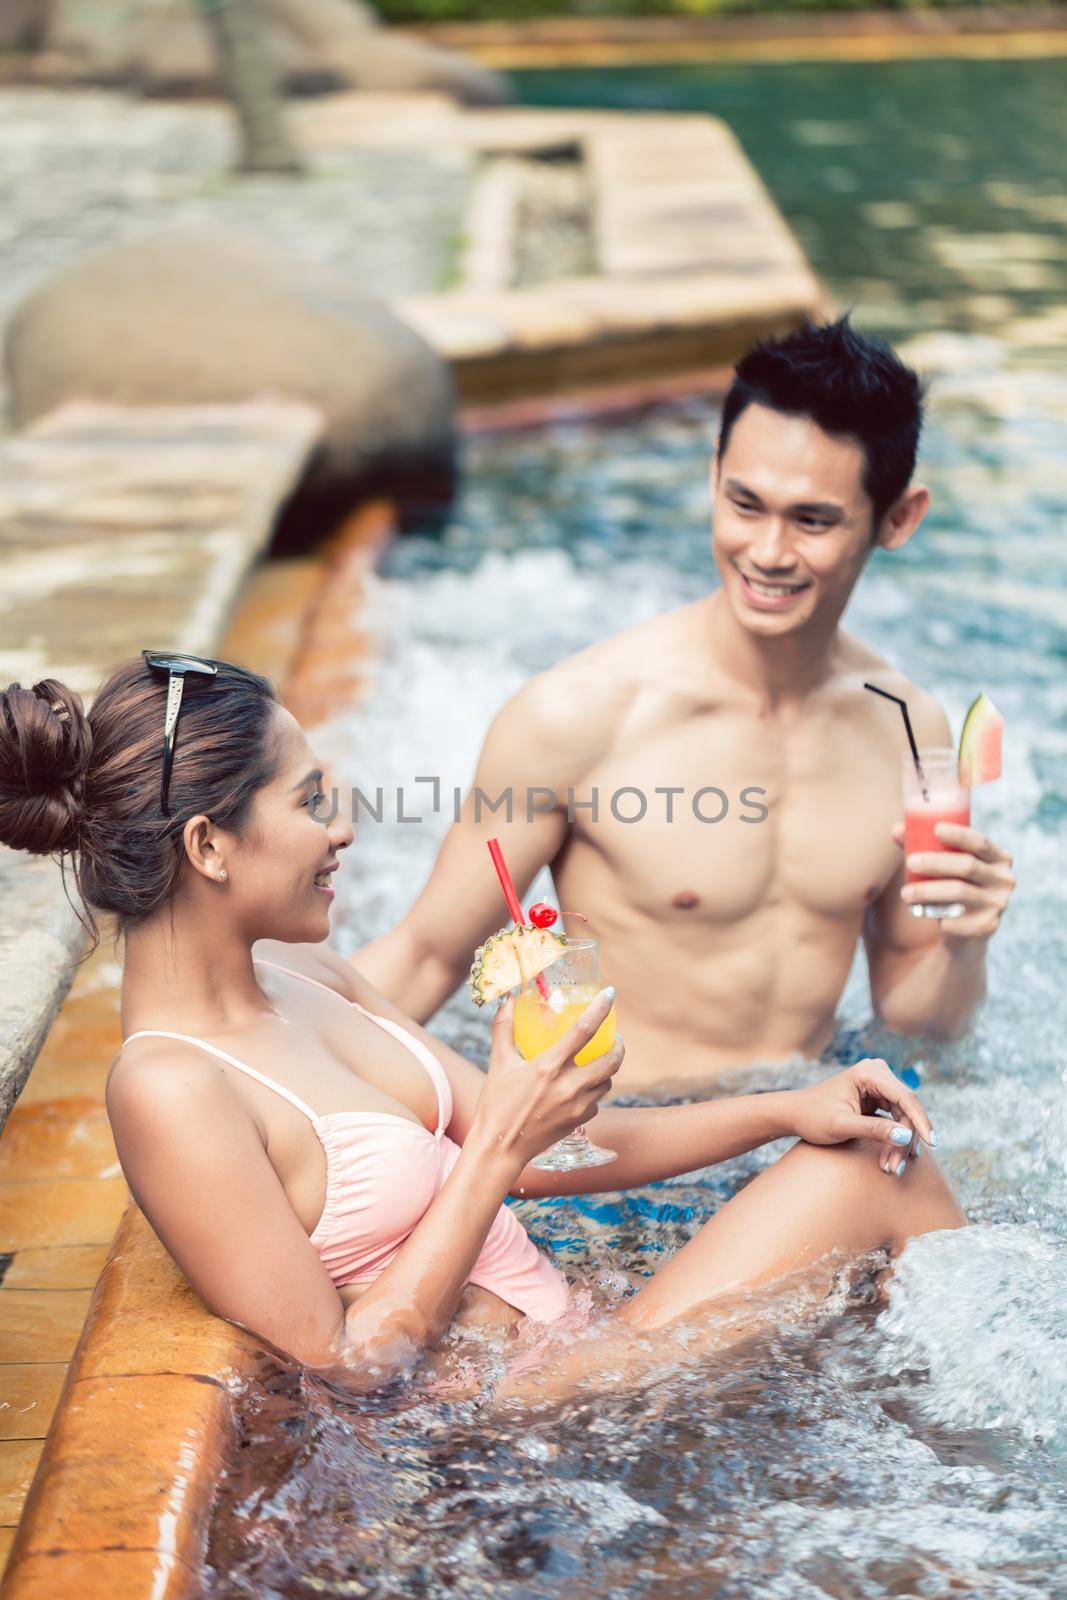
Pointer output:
x,y
928,194
854,1455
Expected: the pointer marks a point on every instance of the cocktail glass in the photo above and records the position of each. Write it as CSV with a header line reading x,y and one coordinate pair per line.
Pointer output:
x,y
541,1018
946,799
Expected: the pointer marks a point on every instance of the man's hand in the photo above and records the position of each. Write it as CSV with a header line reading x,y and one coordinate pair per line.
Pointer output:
x,y
973,872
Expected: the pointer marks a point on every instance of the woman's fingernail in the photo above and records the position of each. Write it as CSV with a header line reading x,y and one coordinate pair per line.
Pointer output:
x,y
591,1009
933,1140
900,1168
901,1135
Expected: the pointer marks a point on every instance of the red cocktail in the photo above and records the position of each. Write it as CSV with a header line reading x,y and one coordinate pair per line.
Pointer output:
x,y
936,795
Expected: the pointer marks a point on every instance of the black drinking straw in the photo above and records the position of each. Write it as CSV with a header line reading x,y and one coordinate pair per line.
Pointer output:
x,y
873,687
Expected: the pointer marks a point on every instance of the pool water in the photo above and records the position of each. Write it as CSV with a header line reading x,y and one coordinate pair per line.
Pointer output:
x,y
850,1453
928,194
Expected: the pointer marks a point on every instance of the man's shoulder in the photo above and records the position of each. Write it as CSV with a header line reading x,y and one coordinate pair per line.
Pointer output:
x,y
859,663
607,674
586,695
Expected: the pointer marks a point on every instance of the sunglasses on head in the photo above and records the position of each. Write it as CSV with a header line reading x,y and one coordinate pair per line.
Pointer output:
x,y
177,668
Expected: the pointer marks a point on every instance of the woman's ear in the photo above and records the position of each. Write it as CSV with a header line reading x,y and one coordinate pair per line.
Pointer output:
x,y
201,847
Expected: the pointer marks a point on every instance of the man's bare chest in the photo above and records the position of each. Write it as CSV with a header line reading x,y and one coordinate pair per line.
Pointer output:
x,y
715,818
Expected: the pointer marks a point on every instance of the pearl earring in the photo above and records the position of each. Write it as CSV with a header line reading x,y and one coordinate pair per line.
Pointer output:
x,y
222,872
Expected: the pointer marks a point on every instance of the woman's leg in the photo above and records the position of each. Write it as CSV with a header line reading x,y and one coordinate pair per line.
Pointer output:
x,y
814,1200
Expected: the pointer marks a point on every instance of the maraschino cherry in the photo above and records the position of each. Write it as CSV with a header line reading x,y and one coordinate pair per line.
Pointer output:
x,y
542,915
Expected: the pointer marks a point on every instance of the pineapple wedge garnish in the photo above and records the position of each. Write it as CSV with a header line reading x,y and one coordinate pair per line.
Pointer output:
x,y
510,957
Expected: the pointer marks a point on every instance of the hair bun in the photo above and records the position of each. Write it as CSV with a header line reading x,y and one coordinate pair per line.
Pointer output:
x,y
45,745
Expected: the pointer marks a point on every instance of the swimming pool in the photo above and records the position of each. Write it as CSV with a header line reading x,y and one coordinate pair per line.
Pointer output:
x,y
917,1452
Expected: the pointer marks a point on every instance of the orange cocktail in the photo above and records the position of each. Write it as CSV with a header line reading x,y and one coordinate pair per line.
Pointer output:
x,y
546,1008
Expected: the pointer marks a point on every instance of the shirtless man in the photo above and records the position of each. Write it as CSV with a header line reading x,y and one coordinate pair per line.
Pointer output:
x,y
730,936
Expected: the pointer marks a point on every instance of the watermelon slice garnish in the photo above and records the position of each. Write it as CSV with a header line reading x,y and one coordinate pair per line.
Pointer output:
x,y
980,742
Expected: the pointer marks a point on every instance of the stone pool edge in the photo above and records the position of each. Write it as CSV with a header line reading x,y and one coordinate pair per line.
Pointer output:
x,y
607,41
144,1425
692,258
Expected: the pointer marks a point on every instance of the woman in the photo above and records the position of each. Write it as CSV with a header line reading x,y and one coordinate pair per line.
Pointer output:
x,y
324,1171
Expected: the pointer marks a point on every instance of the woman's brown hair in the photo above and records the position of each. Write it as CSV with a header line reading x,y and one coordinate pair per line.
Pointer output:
x,y
85,787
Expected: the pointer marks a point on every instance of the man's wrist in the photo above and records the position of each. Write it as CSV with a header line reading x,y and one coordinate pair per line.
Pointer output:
x,y
970,952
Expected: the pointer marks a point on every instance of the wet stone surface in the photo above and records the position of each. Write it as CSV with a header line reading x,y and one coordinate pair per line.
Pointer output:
x,y
555,233
82,169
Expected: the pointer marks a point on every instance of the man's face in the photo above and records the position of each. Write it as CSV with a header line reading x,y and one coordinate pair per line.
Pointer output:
x,y
792,525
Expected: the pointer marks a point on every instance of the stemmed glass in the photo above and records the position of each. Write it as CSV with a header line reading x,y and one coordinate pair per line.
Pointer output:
x,y
541,1018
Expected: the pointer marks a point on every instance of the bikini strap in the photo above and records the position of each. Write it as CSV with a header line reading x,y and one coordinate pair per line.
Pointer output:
x,y
437,1075
242,1066
421,1052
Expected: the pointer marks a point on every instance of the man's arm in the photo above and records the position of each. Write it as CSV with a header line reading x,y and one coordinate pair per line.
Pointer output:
x,y
929,976
530,756
920,982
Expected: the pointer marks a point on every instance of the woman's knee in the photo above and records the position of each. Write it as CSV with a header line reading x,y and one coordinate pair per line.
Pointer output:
x,y
918,1199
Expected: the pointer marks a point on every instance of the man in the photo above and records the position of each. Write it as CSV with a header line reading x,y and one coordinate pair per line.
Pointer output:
x,y
729,907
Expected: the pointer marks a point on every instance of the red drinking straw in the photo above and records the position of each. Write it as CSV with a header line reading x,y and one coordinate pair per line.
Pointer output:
x,y
512,898
908,729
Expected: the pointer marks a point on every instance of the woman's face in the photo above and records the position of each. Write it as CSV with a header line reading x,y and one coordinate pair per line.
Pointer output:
x,y
277,869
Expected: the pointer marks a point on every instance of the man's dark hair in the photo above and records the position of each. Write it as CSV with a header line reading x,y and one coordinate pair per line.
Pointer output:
x,y
847,383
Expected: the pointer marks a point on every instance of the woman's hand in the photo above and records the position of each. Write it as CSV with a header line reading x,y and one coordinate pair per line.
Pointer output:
x,y
525,1106
843,1107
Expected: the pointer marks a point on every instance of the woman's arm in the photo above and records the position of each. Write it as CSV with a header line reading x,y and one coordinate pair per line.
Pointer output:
x,y
196,1163
653,1142
657,1142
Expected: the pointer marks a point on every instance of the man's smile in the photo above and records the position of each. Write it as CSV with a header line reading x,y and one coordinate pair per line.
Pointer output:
x,y
777,594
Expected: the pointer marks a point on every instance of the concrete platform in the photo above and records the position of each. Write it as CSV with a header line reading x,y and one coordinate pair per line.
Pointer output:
x,y
693,258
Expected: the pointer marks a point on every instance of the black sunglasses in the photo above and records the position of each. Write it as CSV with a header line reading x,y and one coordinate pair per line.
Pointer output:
x,y
177,668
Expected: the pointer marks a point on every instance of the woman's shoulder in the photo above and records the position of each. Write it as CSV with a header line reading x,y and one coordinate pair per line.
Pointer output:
x,y
165,1078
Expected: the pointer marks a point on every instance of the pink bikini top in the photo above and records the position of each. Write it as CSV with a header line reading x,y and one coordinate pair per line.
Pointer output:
x,y
382,1174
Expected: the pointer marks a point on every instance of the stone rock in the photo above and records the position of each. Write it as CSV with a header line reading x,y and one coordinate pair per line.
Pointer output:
x,y
389,62
198,316
163,47
348,39
23,24
172,55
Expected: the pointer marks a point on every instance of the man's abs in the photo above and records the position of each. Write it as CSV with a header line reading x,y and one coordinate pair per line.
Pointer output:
x,y
721,953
